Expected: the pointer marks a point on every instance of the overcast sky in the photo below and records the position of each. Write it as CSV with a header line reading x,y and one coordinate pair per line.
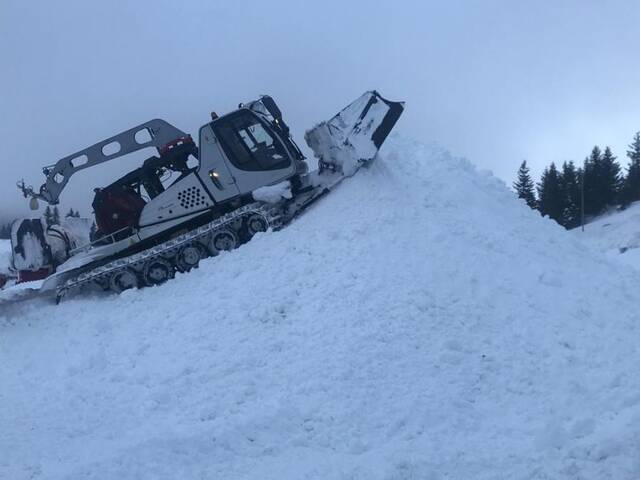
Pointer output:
x,y
495,81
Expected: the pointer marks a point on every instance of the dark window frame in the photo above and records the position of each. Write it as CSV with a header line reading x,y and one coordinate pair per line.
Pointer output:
x,y
227,130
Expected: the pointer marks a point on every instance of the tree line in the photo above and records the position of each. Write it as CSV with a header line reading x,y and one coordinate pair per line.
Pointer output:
x,y
600,182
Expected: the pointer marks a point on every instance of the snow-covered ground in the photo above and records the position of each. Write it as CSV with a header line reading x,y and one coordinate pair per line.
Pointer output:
x,y
419,323
617,234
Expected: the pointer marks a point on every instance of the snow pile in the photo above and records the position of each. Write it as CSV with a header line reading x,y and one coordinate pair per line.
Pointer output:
x,y
273,193
418,323
5,255
617,234
79,229
33,256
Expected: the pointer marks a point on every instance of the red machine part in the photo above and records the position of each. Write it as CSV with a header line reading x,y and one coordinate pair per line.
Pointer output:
x,y
175,143
116,208
32,276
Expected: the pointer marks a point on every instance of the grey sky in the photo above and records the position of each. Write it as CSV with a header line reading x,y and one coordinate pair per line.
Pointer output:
x,y
496,81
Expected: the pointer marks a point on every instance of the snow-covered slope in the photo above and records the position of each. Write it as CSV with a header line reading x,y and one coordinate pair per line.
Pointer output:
x,y
419,323
617,234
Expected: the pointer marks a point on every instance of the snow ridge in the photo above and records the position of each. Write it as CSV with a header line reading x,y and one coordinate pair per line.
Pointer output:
x,y
420,322
616,233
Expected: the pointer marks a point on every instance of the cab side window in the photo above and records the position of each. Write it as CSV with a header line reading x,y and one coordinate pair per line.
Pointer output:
x,y
248,144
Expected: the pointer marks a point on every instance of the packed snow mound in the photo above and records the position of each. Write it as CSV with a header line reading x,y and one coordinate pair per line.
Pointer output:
x,y
419,323
616,233
5,255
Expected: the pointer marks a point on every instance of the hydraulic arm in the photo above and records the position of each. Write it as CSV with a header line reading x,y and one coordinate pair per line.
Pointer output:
x,y
154,133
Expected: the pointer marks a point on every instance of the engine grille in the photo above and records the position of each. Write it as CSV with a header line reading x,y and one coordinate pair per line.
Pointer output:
x,y
191,198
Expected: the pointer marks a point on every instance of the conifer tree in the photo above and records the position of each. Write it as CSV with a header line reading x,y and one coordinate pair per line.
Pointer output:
x,y
609,178
93,233
70,213
5,232
570,188
55,216
601,181
550,201
48,216
591,176
631,184
524,185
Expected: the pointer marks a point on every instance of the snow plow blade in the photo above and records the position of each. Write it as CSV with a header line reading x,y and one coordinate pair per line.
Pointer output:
x,y
353,136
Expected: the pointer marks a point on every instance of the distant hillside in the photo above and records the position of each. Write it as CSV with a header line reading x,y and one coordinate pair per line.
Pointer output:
x,y
617,234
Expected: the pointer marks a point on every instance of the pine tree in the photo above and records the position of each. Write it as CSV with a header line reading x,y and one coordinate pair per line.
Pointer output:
x,y
601,181
550,201
55,216
570,188
5,232
93,233
609,178
630,191
593,203
72,214
48,216
524,185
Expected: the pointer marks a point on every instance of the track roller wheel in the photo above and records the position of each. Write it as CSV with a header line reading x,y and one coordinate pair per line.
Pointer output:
x,y
222,240
103,282
124,280
189,256
253,224
157,271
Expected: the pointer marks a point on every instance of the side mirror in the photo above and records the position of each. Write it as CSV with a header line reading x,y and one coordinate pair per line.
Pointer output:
x,y
34,204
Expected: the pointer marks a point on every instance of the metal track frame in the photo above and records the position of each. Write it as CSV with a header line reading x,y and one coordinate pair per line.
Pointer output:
x,y
267,211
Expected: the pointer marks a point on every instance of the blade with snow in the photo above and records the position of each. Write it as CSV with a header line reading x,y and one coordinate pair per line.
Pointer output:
x,y
356,133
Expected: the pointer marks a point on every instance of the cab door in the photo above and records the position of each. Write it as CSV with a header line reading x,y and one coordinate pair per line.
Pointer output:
x,y
255,155
214,171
